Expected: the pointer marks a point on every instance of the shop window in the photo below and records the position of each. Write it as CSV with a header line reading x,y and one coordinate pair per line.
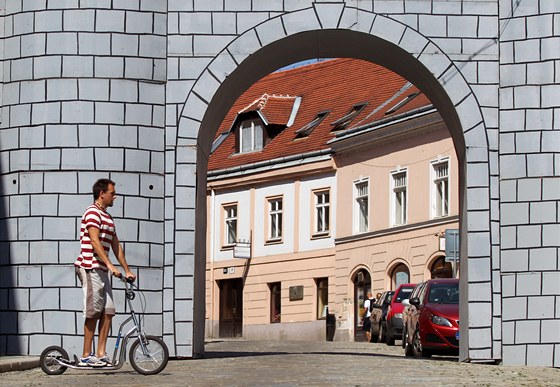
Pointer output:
x,y
441,269
322,297
400,275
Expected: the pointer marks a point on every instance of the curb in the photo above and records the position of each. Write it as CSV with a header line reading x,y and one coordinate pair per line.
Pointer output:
x,y
18,363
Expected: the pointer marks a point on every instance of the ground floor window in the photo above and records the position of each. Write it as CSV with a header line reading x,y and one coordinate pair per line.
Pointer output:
x,y
322,297
441,269
275,302
400,275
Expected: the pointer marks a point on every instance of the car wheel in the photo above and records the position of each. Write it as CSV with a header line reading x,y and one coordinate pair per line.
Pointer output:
x,y
389,339
416,344
426,353
407,345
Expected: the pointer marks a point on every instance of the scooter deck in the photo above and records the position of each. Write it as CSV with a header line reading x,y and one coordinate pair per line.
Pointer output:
x,y
74,365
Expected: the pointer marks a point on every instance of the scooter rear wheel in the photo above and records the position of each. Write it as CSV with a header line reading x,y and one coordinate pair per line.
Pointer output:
x,y
154,361
48,360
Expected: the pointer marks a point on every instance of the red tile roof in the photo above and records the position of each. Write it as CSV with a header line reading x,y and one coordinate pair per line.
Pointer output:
x,y
333,85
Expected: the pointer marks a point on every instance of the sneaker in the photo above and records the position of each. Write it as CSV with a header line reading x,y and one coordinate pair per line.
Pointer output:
x,y
91,361
105,359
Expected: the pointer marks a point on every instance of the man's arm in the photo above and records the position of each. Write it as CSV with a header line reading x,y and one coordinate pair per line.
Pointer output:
x,y
119,253
100,251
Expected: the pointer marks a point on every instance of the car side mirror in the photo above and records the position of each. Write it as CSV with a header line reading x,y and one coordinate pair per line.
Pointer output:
x,y
414,301
405,302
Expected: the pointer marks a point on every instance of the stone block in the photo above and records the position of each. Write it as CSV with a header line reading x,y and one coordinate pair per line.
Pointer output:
x,y
136,207
550,331
543,259
65,43
551,142
528,142
527,51
61,89
139,68
527,331
59,322
528,284
550,235
184,287
480,316
151,139
47,67
109,67
44,299
543,212
124,90
59,229
514,308
94,43
540,307
196,23
184,310
540,165
19,160
529,236
61,136
18,299
46,113
21,69
151,93
48,21
93,89
44,205
138,114
110,21
513,166
551,283
514,260
30,322
550,47
540,355
23,23
79,20
77,66
33,45
30,182
207,86
138,22
514,213
304,20
184,242
529,189
79,112
109,113
77,159
109,159
508,332
19,206
151,186
61,182
125,45
29,277
30,229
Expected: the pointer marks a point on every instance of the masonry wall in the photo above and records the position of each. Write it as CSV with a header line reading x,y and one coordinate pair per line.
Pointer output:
x,y
529,181
122,88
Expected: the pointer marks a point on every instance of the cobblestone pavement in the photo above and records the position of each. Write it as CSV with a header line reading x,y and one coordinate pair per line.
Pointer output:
x,y
244,363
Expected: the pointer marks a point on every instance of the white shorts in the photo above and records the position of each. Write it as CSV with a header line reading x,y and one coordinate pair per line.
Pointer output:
x,y
98,294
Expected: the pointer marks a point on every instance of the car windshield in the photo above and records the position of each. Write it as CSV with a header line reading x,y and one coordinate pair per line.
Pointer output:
x,y
404,293
444,294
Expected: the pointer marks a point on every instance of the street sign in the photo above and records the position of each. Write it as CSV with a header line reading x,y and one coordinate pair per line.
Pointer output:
x,y
242,249
451,245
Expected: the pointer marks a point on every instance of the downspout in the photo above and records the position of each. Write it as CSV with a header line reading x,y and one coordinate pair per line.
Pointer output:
x,y
212,243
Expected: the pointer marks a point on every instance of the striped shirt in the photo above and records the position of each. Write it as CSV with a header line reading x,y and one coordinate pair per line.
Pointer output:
x,y
94,216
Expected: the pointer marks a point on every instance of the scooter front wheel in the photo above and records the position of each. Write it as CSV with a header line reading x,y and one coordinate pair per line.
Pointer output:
x,y
154,360
48,360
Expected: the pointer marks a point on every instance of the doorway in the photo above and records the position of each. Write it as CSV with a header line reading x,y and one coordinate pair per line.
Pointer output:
x,y
362,285
231,307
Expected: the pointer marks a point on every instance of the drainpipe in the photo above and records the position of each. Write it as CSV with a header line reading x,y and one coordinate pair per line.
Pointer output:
x,y
212,243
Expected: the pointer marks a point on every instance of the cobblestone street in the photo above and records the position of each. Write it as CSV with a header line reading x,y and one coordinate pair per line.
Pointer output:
x,y
243,363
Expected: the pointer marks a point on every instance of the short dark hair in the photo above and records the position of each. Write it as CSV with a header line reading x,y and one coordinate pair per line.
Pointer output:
x,y
101,185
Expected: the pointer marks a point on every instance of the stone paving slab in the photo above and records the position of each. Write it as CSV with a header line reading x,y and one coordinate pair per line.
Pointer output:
x,y
246,363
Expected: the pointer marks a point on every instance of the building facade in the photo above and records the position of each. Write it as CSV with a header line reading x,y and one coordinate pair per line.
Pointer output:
x,y
366,187
136,90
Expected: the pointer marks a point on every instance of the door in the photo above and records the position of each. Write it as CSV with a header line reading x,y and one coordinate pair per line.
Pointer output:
x,y
231,307
362,285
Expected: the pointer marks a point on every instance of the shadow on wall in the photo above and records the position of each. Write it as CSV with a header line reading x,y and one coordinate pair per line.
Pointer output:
x,y
9,344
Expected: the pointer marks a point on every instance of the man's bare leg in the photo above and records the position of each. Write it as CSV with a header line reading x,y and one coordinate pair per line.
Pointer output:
x,y
89,331
104,328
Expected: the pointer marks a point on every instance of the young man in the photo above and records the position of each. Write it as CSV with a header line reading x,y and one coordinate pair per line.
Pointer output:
x,y
367,314
93,268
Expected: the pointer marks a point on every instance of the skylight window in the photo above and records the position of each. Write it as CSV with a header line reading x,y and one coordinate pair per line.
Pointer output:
x,y
343,122
306,130
401,103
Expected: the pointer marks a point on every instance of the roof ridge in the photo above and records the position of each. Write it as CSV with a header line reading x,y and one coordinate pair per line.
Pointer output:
x,y
263,99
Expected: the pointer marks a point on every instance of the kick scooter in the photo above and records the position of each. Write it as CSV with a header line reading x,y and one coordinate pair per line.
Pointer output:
x,y
148,354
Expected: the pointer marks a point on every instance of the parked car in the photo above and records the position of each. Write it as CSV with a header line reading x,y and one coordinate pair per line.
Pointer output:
x,y
378,314
432,324
394,324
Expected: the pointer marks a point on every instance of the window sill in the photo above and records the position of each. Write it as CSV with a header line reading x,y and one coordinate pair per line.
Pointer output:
x,y
274,242
227,247
320,236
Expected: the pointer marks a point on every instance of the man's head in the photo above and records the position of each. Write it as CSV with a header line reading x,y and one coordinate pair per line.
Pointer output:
x,y
104,192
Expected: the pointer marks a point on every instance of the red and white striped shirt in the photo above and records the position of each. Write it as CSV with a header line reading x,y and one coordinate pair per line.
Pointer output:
x,y
95,216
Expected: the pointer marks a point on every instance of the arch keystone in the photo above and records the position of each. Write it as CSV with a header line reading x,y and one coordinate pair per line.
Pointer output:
x,y
329,14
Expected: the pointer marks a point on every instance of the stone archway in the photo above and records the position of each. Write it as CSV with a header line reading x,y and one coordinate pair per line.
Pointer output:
x,y
334,30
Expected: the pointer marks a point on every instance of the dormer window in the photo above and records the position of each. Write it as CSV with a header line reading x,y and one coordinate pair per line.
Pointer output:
x,y
306,130
343,122
251,135
401,103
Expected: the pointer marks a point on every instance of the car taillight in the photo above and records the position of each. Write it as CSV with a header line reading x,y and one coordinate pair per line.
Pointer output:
x,y
438,320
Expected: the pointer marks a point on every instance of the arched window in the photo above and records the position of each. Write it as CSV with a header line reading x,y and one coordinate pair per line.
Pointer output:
x,y
441,269
400,275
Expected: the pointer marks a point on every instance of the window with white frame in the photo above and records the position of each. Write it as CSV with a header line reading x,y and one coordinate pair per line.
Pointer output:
x,y
251,136
322,212
275,219
440,188
230,213
399,183
361,205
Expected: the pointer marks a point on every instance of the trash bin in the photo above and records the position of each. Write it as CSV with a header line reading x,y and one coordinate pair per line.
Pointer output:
x,y
331,326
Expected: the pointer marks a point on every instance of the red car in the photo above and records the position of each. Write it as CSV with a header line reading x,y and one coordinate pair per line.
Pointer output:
x,y
432,324
394,321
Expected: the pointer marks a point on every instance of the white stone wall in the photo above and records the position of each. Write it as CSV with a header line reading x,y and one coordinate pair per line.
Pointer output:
x,y
529,181
134,89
